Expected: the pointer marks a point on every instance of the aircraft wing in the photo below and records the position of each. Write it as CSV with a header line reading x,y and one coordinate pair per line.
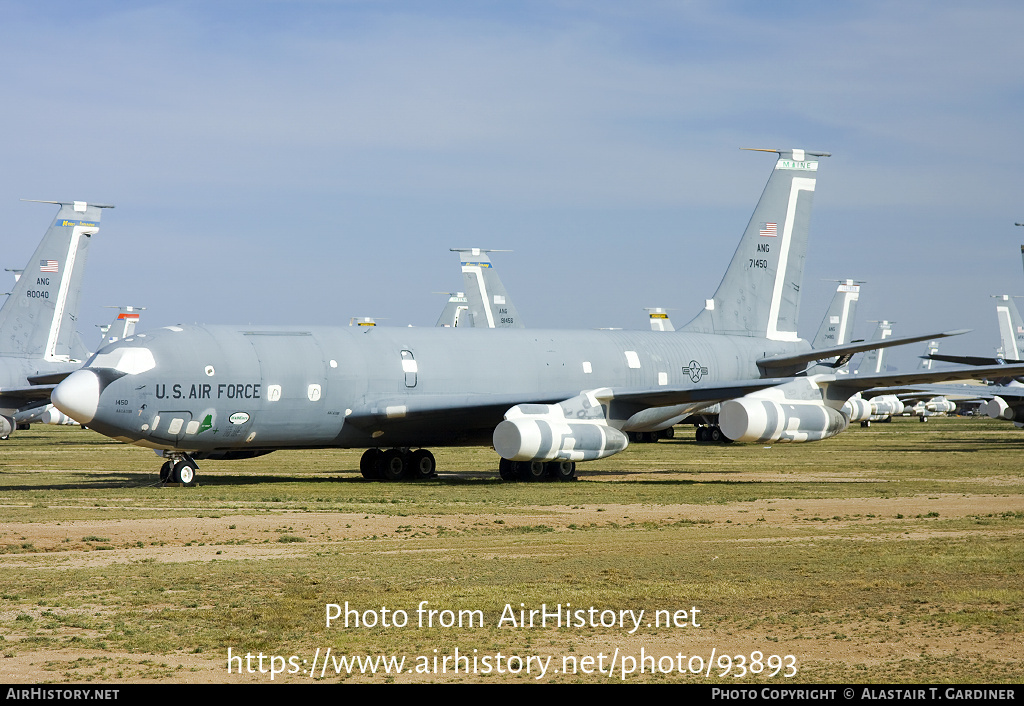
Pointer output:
x,y
18,396
858,383
977,360
787,360
486,409
705,394
482,406
959,393
968,359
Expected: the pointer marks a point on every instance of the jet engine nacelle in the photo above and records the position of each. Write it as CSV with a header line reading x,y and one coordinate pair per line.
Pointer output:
x,y
6,427
996,408
940,405
886,406
47,414
795,411
857,409
574,430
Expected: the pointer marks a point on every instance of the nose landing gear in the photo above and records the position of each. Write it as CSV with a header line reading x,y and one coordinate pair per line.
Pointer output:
x,y
179,469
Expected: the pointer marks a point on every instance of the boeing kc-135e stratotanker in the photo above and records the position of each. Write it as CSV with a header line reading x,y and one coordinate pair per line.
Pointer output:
x,y
544,399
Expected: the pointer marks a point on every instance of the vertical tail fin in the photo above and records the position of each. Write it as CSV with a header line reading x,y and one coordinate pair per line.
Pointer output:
x,y
455,312
122,326
1011,328
931,349
873,360
659,319
38,319
760,292
837,326
488,301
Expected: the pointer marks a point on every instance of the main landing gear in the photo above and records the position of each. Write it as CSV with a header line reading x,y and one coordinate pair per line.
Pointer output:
x,y
712,435
179,469
397,464
649,437
537,470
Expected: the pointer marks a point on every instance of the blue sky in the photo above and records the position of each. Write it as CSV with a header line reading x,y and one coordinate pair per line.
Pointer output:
x,y
306,162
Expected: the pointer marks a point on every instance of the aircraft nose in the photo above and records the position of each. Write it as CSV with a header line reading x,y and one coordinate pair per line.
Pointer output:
x,y
78,396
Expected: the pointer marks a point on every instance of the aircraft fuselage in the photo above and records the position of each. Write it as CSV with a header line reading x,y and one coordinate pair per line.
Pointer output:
x,y
216,388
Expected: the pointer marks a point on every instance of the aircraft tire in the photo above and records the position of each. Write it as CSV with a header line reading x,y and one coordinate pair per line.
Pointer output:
x,y
667,433
165,472
715,436
394,465
423,464
923,419
533,470
563,470
184,472
700,435
507,469
368,463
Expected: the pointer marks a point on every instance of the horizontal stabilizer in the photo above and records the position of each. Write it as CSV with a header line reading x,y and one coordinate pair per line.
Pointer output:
x,y
788,361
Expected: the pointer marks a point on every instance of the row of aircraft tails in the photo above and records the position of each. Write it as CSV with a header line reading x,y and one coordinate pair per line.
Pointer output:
x,y
544,399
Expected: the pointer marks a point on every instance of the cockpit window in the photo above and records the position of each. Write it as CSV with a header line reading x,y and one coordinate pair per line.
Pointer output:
x,y
128,360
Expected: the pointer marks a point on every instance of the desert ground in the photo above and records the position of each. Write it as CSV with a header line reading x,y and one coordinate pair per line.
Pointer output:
x,y
888,554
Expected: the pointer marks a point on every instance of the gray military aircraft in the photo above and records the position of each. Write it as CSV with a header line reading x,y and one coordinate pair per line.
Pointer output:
x,y
39,345
485,303
544,399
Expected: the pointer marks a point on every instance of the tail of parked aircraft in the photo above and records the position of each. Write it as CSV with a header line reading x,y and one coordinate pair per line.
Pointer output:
x,y
760,293
489,303
837,326
122,326
926,360
873,361
659,319
455,312
38,318
1011,328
